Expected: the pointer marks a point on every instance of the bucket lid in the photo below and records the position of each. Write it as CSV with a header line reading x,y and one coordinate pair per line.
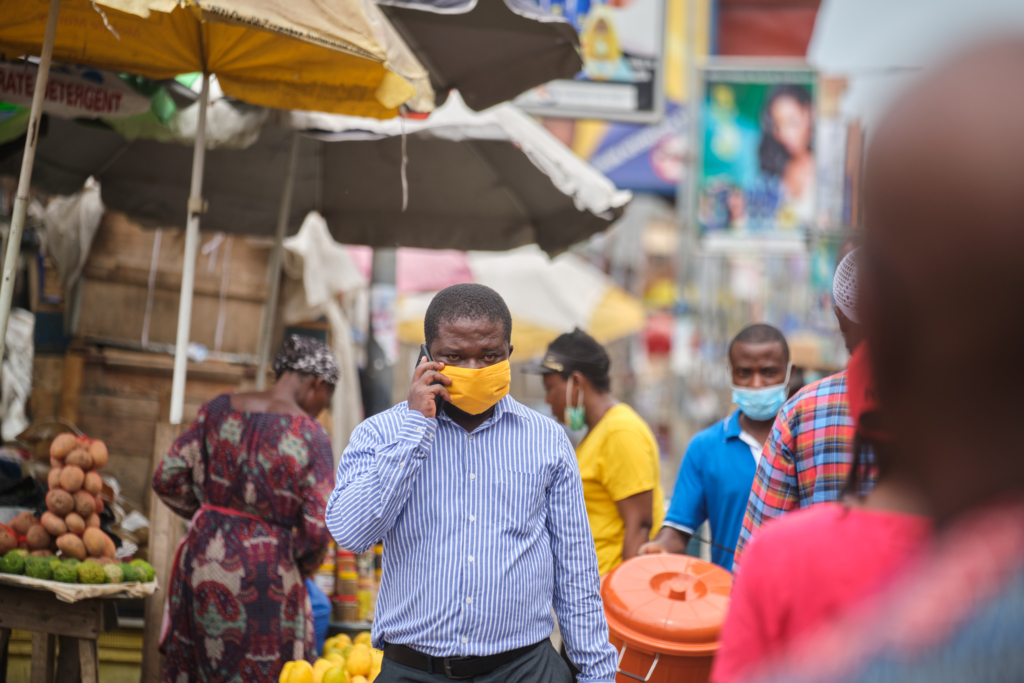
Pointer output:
x,y
672,604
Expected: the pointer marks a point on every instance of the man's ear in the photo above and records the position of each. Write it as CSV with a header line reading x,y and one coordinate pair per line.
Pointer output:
x,y
510,350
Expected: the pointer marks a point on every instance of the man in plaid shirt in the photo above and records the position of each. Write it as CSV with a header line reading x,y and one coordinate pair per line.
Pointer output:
x,y
807,457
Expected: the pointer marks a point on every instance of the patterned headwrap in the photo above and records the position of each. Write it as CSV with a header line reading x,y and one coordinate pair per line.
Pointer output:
x,y
308,356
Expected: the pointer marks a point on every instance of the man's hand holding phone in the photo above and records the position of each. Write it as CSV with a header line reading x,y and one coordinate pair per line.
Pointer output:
x,y
427,385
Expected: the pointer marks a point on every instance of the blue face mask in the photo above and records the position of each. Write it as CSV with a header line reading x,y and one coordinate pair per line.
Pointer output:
x,y
764,403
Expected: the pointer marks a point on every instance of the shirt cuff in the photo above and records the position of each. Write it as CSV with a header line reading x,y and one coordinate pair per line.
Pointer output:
x,y
420,430
678,527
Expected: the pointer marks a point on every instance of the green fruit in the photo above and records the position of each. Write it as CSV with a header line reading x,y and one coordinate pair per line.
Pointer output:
x,y
90,572
65,573
73,561
150,573
113,573
12,563
38,568
53,560
130,573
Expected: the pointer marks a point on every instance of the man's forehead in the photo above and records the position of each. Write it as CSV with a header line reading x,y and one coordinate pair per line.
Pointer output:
x,y
473,330
757,351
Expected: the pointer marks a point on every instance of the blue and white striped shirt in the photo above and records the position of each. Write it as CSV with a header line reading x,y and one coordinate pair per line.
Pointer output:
x,y
483,534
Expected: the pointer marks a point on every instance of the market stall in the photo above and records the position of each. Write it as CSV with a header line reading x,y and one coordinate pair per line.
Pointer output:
x,y
61,571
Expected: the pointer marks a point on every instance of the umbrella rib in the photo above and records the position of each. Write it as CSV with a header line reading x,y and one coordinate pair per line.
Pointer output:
x,y
509,192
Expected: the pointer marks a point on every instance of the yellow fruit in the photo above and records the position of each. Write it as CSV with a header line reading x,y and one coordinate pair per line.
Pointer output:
x,y
359,679
301,672
319,667
335,675
332,651
341,640
336,659
359,661
378,657
362,639
374,672
346,651
283,678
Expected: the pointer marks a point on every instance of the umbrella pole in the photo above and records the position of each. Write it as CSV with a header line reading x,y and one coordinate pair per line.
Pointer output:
x,y
274,267
196,206
25,180
383,278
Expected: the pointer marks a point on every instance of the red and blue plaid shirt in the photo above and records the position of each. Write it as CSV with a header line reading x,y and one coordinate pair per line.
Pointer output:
x,y
807,458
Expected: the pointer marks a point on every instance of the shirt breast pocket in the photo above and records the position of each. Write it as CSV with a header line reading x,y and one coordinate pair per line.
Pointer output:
x,y
519,498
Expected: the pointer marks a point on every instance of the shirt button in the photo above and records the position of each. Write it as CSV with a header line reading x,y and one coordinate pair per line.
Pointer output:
x,y
469,601
472,518
470,558
472,475
471,437
465,639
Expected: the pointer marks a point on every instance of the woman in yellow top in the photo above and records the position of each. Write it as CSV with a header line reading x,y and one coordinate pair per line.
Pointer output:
x,y
618,458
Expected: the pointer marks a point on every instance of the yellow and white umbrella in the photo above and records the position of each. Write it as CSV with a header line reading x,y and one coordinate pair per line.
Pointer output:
x,y
545,296
338,56
294,54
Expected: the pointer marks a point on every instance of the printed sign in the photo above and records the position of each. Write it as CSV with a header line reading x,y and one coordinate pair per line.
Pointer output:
x,y
72,92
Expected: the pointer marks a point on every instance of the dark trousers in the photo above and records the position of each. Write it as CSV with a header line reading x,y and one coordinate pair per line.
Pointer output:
x,y
572,667
540,665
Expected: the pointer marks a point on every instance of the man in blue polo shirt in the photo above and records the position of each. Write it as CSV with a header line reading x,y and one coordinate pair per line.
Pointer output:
x,y
721,461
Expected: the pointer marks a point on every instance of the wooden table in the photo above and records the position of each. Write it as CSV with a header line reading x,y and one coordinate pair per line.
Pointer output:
x,y
77,626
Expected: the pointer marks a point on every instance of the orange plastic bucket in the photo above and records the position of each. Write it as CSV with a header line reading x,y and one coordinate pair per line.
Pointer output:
x,y
664,616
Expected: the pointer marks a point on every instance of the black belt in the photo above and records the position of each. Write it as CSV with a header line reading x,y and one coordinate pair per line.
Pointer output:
x,y
455,668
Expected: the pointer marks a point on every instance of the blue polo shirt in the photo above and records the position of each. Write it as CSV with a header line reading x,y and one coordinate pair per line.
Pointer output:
x,y
714,484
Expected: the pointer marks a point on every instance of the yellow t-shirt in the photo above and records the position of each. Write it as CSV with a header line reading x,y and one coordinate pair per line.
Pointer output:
x,y
618,459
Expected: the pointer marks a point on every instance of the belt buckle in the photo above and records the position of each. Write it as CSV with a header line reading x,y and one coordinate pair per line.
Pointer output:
x,y
448,668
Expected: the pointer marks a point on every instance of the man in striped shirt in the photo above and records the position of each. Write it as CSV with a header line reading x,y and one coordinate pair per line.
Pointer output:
x,y
481,509
808,456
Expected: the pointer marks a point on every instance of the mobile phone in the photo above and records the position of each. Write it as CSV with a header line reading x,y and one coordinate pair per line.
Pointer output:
x,y
438,401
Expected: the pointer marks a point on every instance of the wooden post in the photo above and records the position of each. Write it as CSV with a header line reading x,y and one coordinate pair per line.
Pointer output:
x,y
165,531
44,646
71,386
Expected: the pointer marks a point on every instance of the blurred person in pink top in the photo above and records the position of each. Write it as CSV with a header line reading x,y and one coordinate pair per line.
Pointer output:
x,y
805,569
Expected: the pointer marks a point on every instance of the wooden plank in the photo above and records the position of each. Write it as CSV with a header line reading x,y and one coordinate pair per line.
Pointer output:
x,y
30,610
120,435
71,386
123,380
122,407
116,310
166,530
88,660
122,249
44,646
132,472
47,378
68,661
5,638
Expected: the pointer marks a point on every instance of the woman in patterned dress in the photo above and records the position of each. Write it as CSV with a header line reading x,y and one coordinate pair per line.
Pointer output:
x,y
253,473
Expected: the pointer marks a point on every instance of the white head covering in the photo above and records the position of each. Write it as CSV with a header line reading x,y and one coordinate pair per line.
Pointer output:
x,y
844,286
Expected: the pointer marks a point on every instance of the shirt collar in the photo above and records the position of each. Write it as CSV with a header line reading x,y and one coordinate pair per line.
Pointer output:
x,y
732,426
506,406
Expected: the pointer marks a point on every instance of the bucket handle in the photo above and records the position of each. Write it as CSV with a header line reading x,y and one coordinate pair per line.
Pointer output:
x,y
618,667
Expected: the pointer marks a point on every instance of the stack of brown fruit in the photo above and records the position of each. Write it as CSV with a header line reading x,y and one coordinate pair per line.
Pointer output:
x,y
74,504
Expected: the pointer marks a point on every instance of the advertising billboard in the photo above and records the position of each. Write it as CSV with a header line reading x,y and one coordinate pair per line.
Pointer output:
x,y
623,64
757,171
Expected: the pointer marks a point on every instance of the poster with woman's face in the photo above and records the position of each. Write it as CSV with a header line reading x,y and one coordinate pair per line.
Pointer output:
x,y
757,172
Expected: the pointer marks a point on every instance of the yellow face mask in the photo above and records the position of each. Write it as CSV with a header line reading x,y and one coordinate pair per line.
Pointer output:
x,y
476,390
